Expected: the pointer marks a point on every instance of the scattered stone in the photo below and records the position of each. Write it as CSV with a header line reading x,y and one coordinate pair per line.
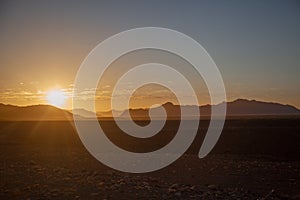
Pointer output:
x,y
212,187
178,194
31,162
173,188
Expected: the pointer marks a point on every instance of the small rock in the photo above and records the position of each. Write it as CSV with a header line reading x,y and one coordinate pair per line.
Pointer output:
x,y
100,184
173,188
175,185
32,162
178,194
212,187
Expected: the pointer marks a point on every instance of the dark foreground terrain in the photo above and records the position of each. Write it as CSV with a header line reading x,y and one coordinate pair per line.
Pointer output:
x,y
254,159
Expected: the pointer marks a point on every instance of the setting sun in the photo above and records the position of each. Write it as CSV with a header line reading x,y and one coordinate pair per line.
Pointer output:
x,y
56,97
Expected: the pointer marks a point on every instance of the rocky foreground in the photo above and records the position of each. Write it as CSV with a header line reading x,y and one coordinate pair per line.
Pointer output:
x,y
43,161
84,178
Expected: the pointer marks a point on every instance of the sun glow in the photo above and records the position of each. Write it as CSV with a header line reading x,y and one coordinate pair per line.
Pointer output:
x,y
56,97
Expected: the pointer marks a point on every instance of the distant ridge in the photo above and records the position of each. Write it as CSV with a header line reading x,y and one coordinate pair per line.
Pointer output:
x,y
83,113
239,107
253,107
89,114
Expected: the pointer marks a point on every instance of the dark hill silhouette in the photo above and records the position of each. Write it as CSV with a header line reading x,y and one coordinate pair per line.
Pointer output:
x,y
253,107
239,107
33,113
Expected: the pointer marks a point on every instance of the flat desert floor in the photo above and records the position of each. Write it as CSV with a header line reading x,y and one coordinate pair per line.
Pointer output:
x,y
253,159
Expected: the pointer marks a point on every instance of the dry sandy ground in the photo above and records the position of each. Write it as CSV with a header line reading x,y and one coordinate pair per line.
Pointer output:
x,y
46,160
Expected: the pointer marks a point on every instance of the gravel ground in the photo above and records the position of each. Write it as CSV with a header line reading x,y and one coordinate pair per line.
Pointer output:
x,y
39,162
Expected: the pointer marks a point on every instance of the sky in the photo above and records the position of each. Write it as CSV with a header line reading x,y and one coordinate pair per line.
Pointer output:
x,y
255,44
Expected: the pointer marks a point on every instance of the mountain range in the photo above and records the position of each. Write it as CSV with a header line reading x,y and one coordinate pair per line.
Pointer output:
x,y
239,107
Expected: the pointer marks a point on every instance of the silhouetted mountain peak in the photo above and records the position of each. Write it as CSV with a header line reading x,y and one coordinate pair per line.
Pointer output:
x,y
239,107
240,100
168,104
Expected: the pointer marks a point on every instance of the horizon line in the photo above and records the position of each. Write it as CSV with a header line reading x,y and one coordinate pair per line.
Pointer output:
x,y
244,99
